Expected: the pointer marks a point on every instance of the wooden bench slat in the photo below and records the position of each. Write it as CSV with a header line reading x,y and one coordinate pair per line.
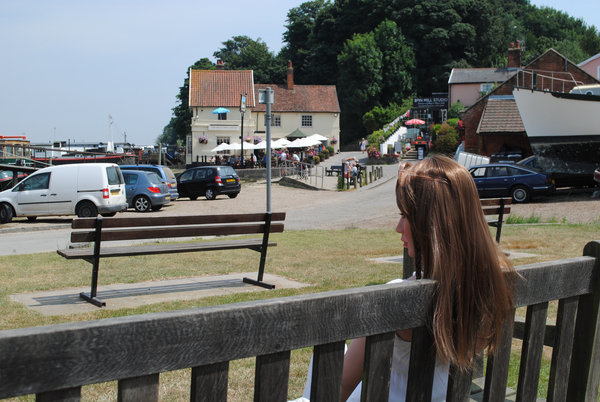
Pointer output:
x,y
174,232
562,347
272,377
143,388
494,201
328,365
531,352
89,223
459,384
209,382
377,367
497,365
421,371
163,248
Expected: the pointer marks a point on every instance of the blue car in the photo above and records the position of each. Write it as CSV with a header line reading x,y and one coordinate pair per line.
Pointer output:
x,y
510,180
163,172
145,190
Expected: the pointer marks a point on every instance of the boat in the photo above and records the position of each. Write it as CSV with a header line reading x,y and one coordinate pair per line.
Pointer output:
x,y
563,131
18,150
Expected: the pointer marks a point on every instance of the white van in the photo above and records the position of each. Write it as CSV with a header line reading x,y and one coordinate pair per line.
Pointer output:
x,y
592,89
84,189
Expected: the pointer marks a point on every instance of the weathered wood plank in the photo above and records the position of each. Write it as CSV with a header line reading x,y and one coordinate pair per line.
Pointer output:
x,y
377,367
328,364
209,382
63,395
497,365
272,377
163,248
585,374
143,388
531,352
459,385
173,232
494,201
421,370
561,352
119,222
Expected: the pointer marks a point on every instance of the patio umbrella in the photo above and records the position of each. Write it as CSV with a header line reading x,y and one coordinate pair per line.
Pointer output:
x,y
221,147
220,110
281,143
297,133
414,122
318,137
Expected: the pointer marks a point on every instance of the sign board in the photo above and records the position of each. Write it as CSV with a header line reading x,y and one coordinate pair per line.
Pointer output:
x,y
243,103
439,101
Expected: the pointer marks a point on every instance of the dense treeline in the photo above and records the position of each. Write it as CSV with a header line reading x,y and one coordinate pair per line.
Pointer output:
x,y
380,52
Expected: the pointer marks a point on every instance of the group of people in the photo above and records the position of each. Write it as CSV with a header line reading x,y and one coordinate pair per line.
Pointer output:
x,y
443,228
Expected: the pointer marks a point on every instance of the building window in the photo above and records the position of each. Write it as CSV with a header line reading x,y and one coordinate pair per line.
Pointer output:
x,y
486,88
222,116
221,140
306,120
276,120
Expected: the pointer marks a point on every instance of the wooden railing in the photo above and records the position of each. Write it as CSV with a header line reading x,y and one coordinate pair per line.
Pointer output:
x,y
54,362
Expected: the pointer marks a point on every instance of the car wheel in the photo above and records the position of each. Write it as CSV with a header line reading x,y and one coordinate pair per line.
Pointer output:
x,y
6,213
193,197
156,207
141,203
86,209
109,214
232,195
210,194
31,218
520,194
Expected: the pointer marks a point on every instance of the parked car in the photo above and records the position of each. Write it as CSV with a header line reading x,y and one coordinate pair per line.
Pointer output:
x,y
163,172
561,178
145,190
209,181
505,179
6,179
84,189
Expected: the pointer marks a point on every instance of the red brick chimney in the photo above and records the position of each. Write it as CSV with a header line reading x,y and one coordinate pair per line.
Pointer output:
x,y
514,55
290,76
220,65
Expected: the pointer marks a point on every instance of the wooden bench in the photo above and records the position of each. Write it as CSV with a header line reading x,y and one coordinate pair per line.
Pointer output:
x,y
337,169
498,207
55,361
99,230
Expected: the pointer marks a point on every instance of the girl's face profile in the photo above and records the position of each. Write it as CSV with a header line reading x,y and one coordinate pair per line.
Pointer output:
x,y
403,228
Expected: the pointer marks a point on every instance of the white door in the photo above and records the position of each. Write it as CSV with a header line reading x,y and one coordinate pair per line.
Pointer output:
x,y
33,195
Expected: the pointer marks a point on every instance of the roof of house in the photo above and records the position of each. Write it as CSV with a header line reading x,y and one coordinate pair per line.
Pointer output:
x,y
480,75
583,63
301,98
214,88
501,115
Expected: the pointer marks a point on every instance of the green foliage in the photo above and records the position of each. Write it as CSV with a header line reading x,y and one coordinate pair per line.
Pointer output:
x,y
379,116
316,160
244,53
455,109
447,139
330,149
516,219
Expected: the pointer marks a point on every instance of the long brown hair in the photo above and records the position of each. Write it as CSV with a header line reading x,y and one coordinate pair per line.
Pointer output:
x,y
453,243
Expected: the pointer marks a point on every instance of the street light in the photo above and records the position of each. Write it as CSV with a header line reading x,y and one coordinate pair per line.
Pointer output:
x,y
266,96
242,111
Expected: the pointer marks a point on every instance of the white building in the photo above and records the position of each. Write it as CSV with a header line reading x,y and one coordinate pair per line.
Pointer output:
x,y
309,109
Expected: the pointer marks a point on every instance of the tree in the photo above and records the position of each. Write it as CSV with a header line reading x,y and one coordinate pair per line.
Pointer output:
x,y
181,123
244,53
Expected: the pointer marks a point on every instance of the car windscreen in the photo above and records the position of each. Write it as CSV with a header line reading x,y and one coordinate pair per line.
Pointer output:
x,y
227,171
115,177
168,173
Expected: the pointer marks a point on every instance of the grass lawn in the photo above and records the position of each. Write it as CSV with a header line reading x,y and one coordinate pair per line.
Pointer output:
x,y
326,260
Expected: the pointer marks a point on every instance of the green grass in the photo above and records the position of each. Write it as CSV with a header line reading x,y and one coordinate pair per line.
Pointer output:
x,y
326,260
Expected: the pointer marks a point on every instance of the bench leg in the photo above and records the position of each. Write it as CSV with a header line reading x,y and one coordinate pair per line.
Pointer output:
x,y
263,257
92,299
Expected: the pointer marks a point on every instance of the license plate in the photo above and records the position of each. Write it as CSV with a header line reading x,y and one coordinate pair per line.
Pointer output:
x,y
115,192
168,197
230,180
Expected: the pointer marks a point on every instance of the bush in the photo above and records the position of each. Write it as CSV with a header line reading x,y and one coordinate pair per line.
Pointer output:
x,y
330,149
316,160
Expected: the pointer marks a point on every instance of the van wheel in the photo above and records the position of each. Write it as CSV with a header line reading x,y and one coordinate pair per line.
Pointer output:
x,y
6,213
86,209
210,194
141,203
31,218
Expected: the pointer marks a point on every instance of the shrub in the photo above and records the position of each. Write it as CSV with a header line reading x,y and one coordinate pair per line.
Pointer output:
x,y
330,149
316,160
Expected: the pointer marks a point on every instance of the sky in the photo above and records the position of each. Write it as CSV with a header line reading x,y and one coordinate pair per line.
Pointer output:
x,y
67,65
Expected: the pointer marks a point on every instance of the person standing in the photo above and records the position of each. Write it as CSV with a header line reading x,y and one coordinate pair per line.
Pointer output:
x,y
363,145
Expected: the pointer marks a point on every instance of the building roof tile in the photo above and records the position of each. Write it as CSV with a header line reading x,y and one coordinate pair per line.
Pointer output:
x,y
301,98
501,115
214,88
